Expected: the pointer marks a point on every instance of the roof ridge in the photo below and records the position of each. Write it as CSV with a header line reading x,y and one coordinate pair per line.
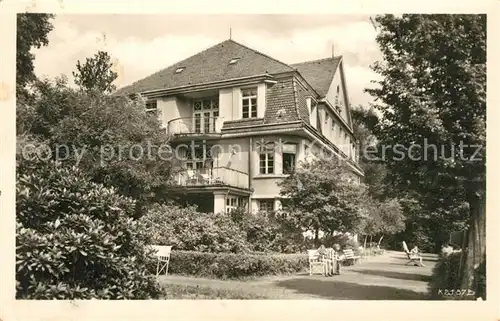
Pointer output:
x,y
263,54
316,60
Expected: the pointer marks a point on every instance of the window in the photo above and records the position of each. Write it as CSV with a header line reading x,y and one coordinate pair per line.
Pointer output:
x,y
198,156
179,70
234,60
266,158
151,105
249,102
266,205
289,156
333,128
337,96
235,202
205,113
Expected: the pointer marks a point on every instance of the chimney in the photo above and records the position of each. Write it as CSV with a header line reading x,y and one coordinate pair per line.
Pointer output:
x,y
333,50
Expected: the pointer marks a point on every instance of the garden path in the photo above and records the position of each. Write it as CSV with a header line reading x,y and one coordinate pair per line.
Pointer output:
x,y
381,277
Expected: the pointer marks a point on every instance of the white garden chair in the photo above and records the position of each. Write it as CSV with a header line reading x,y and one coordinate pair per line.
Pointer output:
x,y
316,260
163,255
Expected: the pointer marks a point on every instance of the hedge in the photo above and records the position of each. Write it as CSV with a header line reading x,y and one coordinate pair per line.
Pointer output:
x,y
233,266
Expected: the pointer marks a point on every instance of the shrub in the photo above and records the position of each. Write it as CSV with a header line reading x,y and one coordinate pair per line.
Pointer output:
x,y
270,233
189,230
76,239
445,274
231,265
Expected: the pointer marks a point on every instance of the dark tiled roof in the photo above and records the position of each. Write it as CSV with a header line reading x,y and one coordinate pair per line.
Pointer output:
x,y
280,102
210,65
301,98
319,73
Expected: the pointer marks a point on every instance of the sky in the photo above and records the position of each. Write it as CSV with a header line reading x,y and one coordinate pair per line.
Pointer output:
x,y
144,44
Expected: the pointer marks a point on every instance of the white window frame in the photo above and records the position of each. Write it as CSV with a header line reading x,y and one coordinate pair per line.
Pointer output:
x,y
234,202
252,108
207,115
267,150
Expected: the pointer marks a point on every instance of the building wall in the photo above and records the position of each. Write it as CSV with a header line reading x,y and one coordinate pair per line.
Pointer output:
x,y
237,160
332,93
171,108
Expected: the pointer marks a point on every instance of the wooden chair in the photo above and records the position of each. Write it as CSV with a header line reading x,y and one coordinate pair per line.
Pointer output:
x,y
163,255
350,257
315,259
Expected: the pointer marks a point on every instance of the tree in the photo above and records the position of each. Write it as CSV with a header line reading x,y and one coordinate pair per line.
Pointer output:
x,y
32,31
96,73
433,96
323,196
111,139
76,239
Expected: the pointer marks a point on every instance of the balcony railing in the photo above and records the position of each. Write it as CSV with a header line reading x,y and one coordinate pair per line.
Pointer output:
x,y
198,125
217,176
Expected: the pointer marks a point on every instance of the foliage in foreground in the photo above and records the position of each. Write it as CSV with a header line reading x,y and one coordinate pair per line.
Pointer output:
x,y
235,266
76,239
446,276
111,139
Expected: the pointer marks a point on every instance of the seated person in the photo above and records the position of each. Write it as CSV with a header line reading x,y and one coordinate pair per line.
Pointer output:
x,y
415,253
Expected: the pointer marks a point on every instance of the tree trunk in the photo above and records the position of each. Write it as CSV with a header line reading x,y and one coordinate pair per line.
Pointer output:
x,y
364,245
316,236
474,249
380,240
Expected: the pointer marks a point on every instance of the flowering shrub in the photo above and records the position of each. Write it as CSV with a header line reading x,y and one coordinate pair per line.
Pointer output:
x,y
76,239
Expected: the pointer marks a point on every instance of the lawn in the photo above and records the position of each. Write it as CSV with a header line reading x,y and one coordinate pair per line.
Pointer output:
x,y
383,277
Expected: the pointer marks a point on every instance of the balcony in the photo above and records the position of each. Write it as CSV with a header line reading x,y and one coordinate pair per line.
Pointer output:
x,y
195,126
212,177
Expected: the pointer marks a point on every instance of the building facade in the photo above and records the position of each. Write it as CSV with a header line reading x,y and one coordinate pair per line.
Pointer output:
x,y
240,122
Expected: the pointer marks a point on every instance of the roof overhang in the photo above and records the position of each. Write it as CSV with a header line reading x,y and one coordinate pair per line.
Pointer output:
x,y
226,83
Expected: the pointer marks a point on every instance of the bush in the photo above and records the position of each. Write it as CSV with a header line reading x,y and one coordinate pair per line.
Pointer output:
x,y
233,266
76,239
269,233
186,229
445,274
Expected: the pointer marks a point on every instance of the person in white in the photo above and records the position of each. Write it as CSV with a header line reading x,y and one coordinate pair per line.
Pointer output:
x,y
415,252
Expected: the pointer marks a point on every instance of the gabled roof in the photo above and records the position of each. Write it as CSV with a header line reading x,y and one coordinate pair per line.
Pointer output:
x,y
319,73
210,65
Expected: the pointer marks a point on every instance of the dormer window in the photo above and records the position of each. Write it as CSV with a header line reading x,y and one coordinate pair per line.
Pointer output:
x,y
179,70
234,60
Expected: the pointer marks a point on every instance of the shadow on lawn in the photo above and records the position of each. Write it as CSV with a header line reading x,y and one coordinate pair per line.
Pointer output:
x,y
349,291
396,275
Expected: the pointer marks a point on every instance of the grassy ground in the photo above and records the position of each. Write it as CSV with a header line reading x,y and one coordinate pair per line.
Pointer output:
x,y
382,277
